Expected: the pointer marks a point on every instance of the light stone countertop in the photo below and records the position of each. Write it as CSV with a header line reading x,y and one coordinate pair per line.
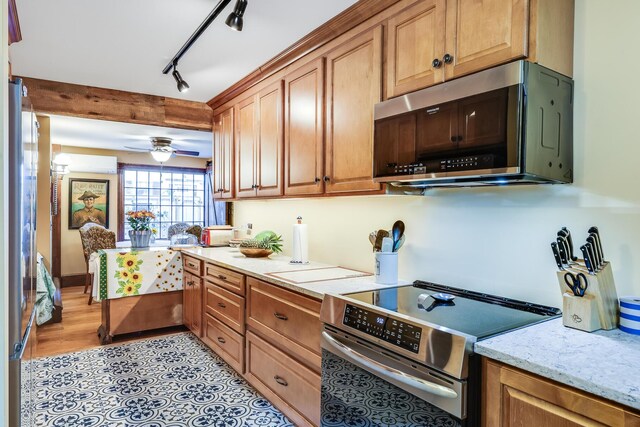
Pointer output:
x,y
605,363
260,268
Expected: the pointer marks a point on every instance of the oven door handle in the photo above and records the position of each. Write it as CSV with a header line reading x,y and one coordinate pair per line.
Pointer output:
x,y
388,372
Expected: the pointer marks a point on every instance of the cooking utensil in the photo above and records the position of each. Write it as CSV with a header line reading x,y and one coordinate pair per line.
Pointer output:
x,y
563,250
587,259
593,241
387,244
594,230
564,232
577,283
377,247
372,237
556,255
397,232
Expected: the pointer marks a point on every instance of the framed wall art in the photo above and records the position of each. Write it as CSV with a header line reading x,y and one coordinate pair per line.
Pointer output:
x,y
88,202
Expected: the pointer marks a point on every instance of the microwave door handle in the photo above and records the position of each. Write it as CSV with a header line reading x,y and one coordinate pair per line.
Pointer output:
x,y
386,371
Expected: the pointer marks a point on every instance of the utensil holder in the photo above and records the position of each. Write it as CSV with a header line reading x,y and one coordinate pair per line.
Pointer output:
x,y
602,288
580,312
386,268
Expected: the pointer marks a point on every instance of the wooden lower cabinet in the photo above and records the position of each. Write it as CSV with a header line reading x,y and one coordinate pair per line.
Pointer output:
x,y
290,386
192,303
512,397
227,343
225,306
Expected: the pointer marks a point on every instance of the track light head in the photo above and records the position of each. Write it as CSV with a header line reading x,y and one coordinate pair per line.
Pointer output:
x,y
182,85
235,21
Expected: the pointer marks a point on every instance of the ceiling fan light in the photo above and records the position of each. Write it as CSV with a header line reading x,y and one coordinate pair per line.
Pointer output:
x,y
235,21
161,156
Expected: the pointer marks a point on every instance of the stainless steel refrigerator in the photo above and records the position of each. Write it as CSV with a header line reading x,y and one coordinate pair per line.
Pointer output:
x,y
22,156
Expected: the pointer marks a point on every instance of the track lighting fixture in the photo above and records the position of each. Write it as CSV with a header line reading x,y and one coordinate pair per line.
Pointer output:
x,y
235,21
182,85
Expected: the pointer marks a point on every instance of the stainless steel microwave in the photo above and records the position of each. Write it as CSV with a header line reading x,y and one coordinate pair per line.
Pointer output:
x,y
510,124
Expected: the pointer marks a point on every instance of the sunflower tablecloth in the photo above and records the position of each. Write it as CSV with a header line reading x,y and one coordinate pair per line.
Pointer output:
x,y
119,273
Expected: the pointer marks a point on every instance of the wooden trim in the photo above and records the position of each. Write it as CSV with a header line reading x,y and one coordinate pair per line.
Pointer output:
x,y
154,168
15,34
73,280
56,225
350,18
120,202
89,102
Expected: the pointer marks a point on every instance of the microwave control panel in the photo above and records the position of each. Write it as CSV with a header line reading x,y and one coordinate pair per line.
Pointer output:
x,y
393,331
482,161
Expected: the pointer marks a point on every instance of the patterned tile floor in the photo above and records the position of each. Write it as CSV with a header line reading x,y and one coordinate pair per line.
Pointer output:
x,y
162,382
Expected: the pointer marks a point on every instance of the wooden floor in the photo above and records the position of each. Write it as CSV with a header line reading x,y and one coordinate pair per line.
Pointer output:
x,y
79,327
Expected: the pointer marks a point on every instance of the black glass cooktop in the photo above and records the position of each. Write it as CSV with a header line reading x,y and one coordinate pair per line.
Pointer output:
x,y
476,314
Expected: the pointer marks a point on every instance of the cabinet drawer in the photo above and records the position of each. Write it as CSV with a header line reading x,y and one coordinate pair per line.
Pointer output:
x,y
291,320
225,306
192,265
273,372
230,280
225,342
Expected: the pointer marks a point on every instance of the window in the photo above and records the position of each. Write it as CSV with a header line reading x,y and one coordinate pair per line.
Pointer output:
x,y
172,194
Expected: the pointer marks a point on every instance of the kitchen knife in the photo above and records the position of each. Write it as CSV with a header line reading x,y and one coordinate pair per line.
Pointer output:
x,y
594,230
587,260
592,257
556,255
562,249
564,232
593,241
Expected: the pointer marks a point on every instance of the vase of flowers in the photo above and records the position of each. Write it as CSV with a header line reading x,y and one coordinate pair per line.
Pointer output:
x,y
140,223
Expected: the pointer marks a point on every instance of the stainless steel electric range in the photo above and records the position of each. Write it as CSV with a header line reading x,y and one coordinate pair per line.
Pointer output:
x,y
403,356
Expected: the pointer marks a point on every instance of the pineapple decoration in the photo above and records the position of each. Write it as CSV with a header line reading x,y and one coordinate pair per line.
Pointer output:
x,y
266,240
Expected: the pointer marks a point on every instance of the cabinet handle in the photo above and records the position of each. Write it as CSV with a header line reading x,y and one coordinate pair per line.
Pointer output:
x,y
436,63
317,180
190,283
280,380
221,305
326,178
280,316
448,59
221,340
221,277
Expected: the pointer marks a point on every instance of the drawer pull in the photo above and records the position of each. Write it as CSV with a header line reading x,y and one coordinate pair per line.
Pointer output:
x,y
221,277
281,380
190,283
280,316
221,305
221,340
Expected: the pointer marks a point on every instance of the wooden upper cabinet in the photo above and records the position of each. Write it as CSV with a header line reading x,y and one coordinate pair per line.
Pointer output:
x,y
485,33
354,86
415,38
304,130
269,141
246,148
223,155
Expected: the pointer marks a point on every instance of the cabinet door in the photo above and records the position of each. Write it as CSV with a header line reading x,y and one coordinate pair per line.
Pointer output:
x,y
226,155
196,305
415,38
485,33
304,130
246,148
354,86
270,140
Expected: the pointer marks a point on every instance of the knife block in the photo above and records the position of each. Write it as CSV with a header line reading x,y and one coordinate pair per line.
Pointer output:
x,y
580,312
602,288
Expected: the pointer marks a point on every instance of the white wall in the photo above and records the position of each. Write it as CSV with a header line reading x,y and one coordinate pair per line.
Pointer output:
x,y
4,136
497,240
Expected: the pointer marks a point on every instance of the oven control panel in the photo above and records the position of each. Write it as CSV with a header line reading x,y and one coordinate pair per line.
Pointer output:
x,y
393,331
479,161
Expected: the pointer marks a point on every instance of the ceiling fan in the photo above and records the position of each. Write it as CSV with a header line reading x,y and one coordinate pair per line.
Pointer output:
x,y
162,151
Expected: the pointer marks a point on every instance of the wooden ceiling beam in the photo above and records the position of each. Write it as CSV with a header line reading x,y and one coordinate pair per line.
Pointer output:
x,y
340,24
88,102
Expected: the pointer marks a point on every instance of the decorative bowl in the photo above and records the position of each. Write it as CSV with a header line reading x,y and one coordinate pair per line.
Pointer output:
x,y
255,252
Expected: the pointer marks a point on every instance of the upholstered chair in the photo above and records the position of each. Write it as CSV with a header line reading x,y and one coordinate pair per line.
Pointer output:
x,y
177,228
93,239
196,230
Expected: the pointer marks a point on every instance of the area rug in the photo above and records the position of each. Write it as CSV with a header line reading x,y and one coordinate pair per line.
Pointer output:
x,y
162,382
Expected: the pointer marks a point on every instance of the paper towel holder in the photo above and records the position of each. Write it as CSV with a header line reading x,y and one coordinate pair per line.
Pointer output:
x,y
298,257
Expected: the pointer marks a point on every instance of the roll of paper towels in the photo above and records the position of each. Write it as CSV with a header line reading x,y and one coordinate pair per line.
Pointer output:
x,y
630,315
300,244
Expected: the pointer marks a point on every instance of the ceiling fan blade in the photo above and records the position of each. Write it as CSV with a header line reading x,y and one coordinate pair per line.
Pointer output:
x,y
186,153
136,149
